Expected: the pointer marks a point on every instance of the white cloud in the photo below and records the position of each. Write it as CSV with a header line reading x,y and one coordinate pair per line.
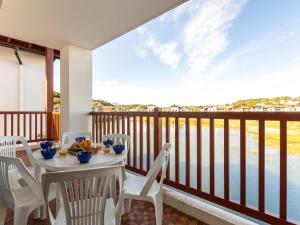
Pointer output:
x,y
124,93
205,36
166,52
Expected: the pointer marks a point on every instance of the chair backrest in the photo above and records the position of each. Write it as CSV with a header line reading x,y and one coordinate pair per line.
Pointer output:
x,y
69,137
7,192
84,194
160,164
8,146
118,139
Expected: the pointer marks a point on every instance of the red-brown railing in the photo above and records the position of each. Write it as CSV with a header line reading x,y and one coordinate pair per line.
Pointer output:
x,y
31,124
56,126
148,129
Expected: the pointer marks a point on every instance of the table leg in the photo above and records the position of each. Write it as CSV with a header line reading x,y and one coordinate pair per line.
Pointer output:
x,y
39,213
113,185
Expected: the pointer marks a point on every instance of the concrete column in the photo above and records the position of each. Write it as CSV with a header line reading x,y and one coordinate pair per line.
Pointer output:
x,y
75,88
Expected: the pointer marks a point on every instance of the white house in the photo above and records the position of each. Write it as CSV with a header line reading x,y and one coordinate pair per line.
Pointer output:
x,y
150,108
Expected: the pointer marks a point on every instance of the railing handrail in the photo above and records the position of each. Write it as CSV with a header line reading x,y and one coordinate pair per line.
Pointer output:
x,y
289,116
22,112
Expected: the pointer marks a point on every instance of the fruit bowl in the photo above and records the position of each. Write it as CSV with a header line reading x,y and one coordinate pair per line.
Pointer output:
x,y
48,153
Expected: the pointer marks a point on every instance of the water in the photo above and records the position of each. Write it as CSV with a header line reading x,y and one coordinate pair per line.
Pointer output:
x,y
271,168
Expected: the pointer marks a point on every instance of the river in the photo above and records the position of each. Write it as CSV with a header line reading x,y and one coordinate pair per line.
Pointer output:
x,y
271,168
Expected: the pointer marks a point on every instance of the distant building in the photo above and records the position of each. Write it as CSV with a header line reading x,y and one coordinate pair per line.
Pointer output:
x,y
289,102
211,109
174,109
150,108
107,108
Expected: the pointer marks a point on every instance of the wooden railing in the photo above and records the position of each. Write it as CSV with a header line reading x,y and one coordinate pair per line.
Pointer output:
x,y
148,130
56,126
31,124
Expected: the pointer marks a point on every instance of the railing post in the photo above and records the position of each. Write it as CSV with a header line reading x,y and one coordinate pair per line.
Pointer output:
x,y
157,131
49,77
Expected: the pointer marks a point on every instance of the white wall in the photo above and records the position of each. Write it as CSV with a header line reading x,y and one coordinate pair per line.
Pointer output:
x,y
22,87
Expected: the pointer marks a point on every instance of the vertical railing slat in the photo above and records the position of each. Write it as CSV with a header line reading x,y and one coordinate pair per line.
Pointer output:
x,y
12,124
243,162
141,143
108,124
100,124
24,125
283,170
134,142
35,126
41,126
104,125
30,126
148,143
177,161
187,152
118,124
226,160
199,155
261,166
212,156
128,133
18,123
168,141
96,138
123,125
5,124
113,124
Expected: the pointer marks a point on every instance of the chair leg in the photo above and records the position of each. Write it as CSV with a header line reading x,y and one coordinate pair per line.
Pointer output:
x,y
2,213
113,186
158,205
21,216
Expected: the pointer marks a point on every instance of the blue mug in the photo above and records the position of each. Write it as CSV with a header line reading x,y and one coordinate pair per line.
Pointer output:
x,y
84,156
48,153
46,144
118,149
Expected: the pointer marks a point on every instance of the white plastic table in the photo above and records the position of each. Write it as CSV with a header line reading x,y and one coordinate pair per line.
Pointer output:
x,y
70,162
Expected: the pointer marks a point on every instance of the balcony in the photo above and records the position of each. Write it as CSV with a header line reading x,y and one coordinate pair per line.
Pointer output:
x,y
225,167
211,157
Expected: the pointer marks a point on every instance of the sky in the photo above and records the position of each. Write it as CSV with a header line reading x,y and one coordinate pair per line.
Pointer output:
x,y
204,52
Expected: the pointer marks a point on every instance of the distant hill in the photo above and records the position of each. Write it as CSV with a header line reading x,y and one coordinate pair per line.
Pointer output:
x,y
102,102
238,104
265,101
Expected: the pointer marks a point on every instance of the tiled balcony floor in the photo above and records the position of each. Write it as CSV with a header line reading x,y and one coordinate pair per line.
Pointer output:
x,y
142,213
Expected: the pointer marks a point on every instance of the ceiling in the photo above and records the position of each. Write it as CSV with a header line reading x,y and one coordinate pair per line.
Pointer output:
x,y
84,23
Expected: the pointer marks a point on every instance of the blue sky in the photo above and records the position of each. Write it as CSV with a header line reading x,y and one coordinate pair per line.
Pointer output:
x,y
204,52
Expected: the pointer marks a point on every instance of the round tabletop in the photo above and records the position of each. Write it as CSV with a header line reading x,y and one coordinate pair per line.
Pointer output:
x,y
70,162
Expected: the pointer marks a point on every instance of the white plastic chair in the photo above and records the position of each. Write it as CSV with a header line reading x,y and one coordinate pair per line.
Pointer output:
x,y
8,146
84,196
147,188
69,137
22,200
123,139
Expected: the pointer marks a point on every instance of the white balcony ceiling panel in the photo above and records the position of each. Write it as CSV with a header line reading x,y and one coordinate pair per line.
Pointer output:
x,y
84,23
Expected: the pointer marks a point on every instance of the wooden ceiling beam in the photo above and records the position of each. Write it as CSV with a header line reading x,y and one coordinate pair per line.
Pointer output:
x,y
26,46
